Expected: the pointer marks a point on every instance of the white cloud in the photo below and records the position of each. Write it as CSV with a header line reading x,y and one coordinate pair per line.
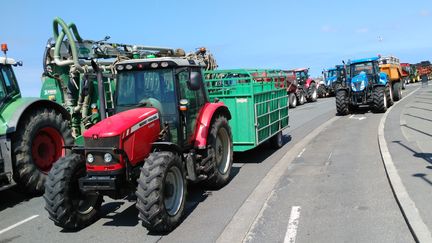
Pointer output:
x,y
362,30
327,29
425,13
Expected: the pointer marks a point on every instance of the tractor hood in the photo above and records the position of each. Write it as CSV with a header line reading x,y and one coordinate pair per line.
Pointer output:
x,y
359,82
331,79
125,122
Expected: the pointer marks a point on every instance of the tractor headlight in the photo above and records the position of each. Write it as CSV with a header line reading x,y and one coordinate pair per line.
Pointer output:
x,y
108,158
90,158
353,86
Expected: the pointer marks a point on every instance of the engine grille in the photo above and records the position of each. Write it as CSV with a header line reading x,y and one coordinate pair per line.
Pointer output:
x,y
110,142
102,142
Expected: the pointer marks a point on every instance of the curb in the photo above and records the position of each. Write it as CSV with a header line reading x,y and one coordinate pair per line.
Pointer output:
x,y
415,223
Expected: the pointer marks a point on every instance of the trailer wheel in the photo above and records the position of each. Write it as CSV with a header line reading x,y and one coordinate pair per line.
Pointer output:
x,y
67,206
220,142
276,141
342,102
161,192
312,93
37,145
292,100
397,91
379,100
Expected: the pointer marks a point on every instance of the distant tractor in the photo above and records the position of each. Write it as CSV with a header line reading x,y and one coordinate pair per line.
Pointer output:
x,y
333,78
307,87
406,72
365,85
32,133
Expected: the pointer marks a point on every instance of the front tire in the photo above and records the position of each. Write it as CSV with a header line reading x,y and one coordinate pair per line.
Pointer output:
x,y
379,100
312,93
67,206
220,141
161,192
301,98
292,100
37,145
342,102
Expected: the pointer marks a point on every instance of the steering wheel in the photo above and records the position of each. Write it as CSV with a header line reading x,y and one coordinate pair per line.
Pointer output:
x,y
151,102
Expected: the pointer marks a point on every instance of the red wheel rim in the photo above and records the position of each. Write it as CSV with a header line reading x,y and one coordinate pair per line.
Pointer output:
x,y
47,148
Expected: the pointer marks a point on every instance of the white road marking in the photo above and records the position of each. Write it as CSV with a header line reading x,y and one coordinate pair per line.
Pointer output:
x,y
240,225
328,159
293,223
18,224
301,153
357,118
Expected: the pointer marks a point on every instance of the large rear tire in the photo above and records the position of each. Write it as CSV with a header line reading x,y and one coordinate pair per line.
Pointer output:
x,y
379,100
397,91
37,145
342,102
67,206
312,93
292,100
161,192
219,140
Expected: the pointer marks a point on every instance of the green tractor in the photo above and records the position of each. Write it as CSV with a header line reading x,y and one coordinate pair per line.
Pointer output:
x,y
33,133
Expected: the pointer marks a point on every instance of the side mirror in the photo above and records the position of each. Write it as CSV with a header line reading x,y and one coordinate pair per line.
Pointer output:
x,y
19,64
195,80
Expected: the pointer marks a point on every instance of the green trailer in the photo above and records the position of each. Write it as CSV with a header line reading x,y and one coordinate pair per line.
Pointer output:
x,y
259,107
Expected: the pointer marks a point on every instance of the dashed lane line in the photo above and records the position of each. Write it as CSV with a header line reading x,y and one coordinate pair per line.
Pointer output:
x,y
18,224
301,153
242,222
293,223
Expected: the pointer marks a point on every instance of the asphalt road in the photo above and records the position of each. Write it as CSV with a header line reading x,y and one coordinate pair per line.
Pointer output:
x,y
23,219
335,191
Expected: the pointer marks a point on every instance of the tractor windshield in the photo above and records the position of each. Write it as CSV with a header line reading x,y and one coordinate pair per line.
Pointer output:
x,y
146,88
357,68
8,84
332,73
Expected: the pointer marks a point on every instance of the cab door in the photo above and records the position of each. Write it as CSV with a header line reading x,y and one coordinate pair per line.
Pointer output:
x,y
195,101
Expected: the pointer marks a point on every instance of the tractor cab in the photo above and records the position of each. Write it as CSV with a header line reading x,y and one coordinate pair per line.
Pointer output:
x,y
302,74
174,86
8,83
365,73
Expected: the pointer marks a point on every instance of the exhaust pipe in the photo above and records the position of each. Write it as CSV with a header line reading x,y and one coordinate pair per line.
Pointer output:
x,y
101,90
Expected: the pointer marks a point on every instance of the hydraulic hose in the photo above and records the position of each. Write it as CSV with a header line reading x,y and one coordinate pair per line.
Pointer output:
x,y
59,39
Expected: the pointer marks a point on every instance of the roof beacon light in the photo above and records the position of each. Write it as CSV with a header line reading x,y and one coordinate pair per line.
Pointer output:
x,y
4,48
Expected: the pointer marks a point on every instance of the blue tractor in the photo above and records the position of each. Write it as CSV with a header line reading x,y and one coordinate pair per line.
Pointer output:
x,y
333,79
364,85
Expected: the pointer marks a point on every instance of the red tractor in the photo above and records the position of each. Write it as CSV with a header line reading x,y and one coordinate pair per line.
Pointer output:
x,y
164,132
307,89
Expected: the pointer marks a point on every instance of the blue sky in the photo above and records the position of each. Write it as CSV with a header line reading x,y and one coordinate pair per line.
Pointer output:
x,y
241,34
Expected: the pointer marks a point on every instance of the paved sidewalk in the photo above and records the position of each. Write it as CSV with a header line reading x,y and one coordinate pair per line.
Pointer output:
x,y
408,132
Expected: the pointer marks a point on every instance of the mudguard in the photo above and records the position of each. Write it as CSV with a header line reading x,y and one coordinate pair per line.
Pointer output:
x,y
14,111
204,122
383,78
